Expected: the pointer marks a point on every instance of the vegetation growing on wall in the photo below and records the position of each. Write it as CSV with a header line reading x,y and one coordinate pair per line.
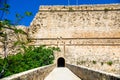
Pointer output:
x,y
71,9
109,63
32,58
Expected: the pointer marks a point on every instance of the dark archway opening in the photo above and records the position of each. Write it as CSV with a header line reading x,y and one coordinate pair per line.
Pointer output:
x,y
61,62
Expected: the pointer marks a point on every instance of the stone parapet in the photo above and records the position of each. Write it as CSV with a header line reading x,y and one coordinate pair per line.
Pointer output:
x,y
33,74
89,74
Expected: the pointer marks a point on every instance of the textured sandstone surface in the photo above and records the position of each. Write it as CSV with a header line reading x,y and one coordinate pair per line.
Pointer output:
x,y
87,35
11,39
93,22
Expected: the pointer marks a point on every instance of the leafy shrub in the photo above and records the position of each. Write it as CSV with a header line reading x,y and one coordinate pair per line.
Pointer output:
x,y
81,62
32,58
94,62
102,63
71,9
106,9
109,63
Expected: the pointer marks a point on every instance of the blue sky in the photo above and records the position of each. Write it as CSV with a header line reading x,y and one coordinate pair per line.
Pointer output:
x,y
20,6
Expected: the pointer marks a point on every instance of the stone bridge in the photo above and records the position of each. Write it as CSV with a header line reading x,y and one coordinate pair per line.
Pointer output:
x,y
87,36
63,71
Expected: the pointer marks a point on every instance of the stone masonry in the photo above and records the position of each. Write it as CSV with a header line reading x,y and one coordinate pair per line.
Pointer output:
x,y
86,35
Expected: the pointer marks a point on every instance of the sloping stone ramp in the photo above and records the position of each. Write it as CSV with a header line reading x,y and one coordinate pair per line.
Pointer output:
x,y
61,73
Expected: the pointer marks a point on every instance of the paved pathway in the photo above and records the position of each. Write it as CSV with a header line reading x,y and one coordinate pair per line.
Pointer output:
x,y
62,73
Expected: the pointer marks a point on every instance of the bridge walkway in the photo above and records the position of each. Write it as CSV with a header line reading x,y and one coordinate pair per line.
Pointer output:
x,y
61,73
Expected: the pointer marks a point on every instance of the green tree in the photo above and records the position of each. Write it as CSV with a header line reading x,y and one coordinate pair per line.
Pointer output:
x,y
32,57
5,25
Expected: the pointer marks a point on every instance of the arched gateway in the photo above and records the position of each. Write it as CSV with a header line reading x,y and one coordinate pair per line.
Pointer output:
x,y
61,62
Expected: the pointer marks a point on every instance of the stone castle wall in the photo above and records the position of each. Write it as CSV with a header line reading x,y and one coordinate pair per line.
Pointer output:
x,y
76,21
87,35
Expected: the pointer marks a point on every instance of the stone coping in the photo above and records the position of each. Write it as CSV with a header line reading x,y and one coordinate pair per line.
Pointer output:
x,y
80,7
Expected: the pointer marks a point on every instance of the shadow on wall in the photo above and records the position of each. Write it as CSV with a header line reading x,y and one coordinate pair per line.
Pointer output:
x,y
61,62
